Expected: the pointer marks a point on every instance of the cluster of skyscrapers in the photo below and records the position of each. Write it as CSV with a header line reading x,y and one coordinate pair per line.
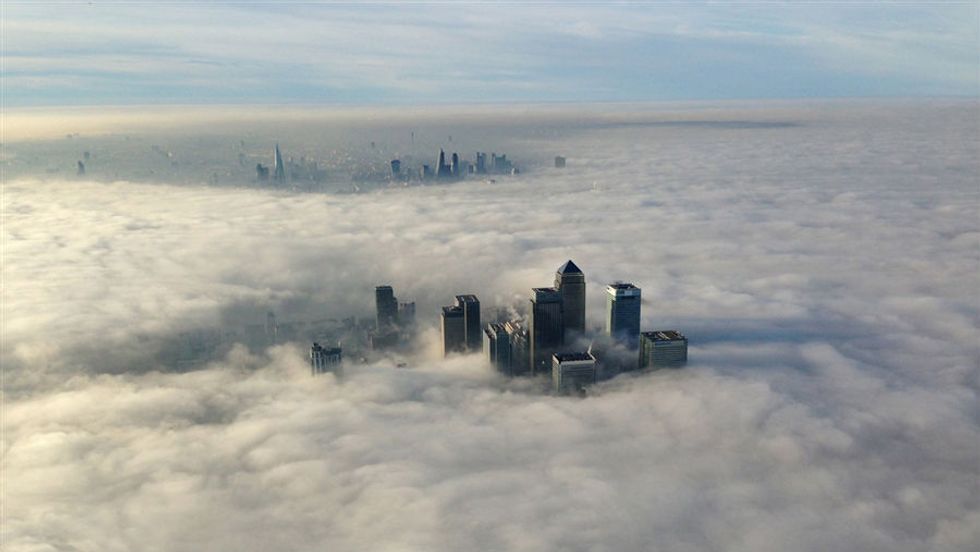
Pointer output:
x,y
546,343
454,167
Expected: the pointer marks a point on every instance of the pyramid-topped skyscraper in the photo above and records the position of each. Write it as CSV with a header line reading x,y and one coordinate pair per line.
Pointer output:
x,y
570,282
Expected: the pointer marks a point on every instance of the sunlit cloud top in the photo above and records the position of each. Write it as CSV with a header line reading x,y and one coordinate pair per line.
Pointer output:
x,y
122,53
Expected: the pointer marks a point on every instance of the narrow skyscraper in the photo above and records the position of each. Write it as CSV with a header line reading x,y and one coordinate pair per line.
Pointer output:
x,y
323,359
546,328
496,344
623,312
471,316
453,326
280,168
386,309
570,282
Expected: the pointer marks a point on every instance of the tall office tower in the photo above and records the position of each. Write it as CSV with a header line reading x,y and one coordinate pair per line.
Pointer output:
x,y
323,360
386,307
623,312
481,163
271,328
396,168
570,282
519,347
453,325
442,170
406,315
261,172
572,372
547,331
471,315
81,168
663,349
454,167
280,169
496,343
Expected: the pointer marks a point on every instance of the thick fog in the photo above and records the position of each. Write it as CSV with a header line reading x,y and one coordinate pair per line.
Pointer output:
x,y
822,259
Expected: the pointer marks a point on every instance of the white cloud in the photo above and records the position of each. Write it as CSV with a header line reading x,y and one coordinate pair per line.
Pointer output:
x,y
824,272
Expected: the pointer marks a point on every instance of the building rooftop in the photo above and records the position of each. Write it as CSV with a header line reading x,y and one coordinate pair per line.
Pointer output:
x,y
569,268
468,298
621,285
664,335
452,310
571,357
545,294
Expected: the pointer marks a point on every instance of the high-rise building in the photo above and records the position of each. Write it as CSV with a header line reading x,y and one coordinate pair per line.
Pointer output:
x,y
519,347
623,312
261,172
442,169
386,308
570,282
481,163
323,359
454,167
662,349
81,168
396,168
280,168
406,315
471,316
496,343
559,162
547,331
572,372
453,326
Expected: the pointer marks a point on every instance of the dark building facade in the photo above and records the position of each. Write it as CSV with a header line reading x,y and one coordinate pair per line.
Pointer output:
x,y
547,331
496,345
453,326
471,318
324,359
623,312
662,349
386,308
520,348
570,282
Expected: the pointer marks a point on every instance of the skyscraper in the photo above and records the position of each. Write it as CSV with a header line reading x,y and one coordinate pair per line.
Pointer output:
x,y
471,316
453,326
396,168
572,372
496,344
323,360
519,347
454,167
481,163
442,169
623,312
546,328
406,315
570,282
662,349
386,307
280,168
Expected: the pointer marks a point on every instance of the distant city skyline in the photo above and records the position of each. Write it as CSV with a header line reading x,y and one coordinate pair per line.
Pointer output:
x,y
81,53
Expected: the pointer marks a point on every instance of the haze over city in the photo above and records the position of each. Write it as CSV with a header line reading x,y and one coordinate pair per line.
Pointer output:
x,y
194,194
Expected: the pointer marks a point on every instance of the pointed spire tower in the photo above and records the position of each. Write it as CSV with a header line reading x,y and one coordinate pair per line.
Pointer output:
x,y
280,173
570,282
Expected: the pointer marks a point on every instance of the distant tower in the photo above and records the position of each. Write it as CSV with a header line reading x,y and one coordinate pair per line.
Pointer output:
x,y
623,312
396,168
496,344
442,169
323,360
280,168
663,349
81,169
453,326
471,316
570,282
572,372
519,347
271,328
481,163
406,315
454,167
559,162
386,309
546,328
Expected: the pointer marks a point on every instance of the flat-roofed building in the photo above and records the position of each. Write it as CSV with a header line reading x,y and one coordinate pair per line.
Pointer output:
x,y
324,359
520,348
546,328
623,312
471,322
572,372
662,349
496,344
453,330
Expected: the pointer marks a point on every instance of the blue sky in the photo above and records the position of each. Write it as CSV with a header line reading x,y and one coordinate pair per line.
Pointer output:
x,y
68,53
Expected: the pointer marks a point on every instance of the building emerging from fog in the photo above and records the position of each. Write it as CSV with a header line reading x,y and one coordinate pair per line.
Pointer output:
x,y
547,331
280,168
471,321
453,325
662,349
623,312
570,282
520,347
572,372
323,360
496,345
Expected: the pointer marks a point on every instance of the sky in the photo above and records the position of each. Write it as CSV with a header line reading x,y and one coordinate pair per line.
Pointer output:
x,y
822,259
104,53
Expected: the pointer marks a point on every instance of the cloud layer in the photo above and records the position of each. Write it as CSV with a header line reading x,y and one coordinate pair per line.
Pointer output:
x,y
824,271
